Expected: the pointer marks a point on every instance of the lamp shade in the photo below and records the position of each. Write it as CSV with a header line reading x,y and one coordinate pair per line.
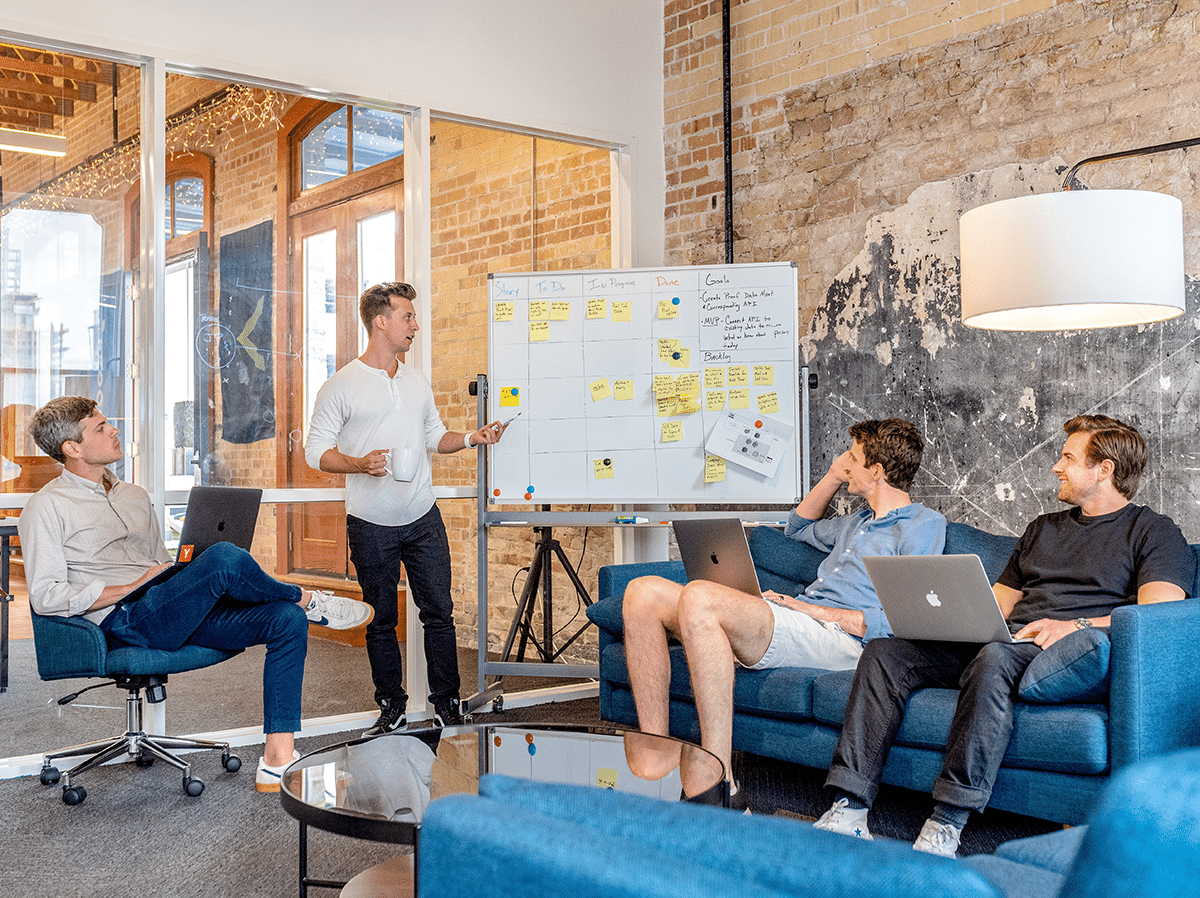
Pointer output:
x,y
1072,260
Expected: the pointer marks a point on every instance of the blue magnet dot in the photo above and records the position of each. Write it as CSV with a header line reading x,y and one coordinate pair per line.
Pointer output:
x,y
675,301
516,390
529,489
674,355
532,749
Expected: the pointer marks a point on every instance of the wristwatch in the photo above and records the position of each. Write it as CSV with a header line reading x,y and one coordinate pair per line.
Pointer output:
x,y
1082,623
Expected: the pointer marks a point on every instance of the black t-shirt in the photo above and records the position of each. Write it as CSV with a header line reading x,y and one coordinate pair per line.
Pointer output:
x,y
1067,565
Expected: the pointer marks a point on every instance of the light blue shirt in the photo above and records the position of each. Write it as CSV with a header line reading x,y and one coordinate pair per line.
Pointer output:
x,y
842,580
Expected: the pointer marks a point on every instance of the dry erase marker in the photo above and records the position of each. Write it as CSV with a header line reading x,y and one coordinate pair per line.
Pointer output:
x,y
510,420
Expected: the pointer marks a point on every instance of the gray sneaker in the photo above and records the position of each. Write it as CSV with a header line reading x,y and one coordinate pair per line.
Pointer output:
x,y
337,612
843,819
938,838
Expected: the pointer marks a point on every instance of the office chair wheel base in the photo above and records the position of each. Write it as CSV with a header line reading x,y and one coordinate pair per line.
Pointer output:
x,y
49,776
73,795
193,786
231,763
144,761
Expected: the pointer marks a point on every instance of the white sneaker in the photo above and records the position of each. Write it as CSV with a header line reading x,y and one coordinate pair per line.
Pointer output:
x,y
938,838
267,778
843,819
338,612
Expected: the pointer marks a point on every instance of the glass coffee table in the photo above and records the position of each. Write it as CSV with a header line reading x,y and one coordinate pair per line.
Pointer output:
x,y
378,788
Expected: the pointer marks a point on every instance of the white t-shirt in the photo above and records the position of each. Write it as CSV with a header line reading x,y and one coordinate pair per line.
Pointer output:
x,y
360,409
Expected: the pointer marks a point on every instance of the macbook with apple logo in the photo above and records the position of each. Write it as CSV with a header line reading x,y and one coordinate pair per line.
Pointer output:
x,y
946,598
715,549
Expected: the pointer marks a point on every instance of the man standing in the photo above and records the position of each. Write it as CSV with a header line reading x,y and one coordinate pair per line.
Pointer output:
x,y
373,408
1067,573
89,540
826,628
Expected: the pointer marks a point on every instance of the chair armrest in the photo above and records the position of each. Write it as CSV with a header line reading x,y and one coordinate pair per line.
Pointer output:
x,y
1154,686
68,647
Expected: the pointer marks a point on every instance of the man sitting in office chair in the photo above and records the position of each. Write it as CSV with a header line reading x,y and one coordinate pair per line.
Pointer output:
x,y
89,539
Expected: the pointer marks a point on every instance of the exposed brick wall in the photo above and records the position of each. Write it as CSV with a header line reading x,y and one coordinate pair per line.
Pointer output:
x,y
816,159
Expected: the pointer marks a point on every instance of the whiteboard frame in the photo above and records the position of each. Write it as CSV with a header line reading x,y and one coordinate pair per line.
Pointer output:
x,y
791,477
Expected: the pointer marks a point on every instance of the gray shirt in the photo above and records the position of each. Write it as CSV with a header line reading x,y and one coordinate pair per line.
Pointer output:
x,y
77,538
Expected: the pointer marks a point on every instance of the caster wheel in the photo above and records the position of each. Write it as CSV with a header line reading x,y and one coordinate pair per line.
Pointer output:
x,y
498,703
144,761
74,795
232,763
193,786
49,776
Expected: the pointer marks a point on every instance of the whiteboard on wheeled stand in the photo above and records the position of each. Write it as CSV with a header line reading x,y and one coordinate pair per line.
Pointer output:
x,y
645,385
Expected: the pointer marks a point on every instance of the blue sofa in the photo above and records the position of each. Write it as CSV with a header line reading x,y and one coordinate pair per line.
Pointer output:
x,y
1060,756
518,838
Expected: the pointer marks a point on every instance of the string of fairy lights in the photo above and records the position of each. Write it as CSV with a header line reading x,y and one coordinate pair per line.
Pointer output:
x,y
212,125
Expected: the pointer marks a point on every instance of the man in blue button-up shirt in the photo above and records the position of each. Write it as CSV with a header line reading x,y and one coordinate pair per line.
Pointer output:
x,y
825,627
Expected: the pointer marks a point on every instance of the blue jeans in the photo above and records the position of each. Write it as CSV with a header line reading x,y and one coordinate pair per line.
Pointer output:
x,y
377,553
224,600
891,670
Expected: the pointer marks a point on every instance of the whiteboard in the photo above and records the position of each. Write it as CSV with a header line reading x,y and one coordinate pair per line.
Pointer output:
x,y
645,385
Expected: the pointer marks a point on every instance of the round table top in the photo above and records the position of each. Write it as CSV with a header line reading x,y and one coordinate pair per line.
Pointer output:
x,y
378,788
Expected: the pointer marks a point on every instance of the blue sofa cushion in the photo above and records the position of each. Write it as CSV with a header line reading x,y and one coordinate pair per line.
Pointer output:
x,y
1074,669
1061,738
1053,851
783,565
994,551
606,614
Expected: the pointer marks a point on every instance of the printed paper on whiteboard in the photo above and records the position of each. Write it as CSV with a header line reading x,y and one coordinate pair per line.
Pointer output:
x,y
758,443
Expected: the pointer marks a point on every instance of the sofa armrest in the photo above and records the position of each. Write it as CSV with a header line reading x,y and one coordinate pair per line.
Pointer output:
x,y
579,841
1154,686
613,578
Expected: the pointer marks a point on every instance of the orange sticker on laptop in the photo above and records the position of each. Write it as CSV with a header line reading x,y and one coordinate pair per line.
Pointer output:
x,y
185,553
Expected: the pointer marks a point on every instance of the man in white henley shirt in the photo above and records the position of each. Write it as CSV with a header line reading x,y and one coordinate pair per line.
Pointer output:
x,y
369,408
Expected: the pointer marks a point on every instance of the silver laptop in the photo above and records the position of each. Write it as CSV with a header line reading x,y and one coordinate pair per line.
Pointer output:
x,y
946,598
215,514
716,549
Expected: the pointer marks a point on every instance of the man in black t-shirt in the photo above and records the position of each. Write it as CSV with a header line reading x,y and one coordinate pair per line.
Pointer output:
x,y
1069,570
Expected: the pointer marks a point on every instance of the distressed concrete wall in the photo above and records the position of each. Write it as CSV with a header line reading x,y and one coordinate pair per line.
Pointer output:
x,y
860,177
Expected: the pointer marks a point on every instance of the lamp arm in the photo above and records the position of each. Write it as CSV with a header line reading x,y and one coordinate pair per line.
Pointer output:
x,y
1125,154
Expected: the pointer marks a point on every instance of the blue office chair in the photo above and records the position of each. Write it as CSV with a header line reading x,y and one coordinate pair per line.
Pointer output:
x,y
72,647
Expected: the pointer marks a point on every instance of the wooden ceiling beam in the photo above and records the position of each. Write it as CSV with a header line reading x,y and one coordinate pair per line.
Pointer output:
x,y
9,81
102,75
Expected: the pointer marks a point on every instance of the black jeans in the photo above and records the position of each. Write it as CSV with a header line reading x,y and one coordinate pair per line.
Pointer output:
x,y
891,670
377,553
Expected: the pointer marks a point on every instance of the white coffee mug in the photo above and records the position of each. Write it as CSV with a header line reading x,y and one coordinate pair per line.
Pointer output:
x,y
403,461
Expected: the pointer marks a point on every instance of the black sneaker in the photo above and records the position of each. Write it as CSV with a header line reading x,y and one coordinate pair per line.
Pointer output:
x,y
448,714
391,718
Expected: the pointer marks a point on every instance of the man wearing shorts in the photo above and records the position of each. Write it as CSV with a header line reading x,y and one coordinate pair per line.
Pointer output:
x,y
826,627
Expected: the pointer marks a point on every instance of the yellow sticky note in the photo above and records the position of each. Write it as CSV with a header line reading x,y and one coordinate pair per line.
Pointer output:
x,y
600,389
510,396
768,403
539,310
502,311
688,384
665,406
687,405
714,469
739,398
764,375
672,431
622,310
560,310
602,469
714,378
738,376
539,331
667,348
714,400
597,307
668,308
622,389
664,386
606,778
682,358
